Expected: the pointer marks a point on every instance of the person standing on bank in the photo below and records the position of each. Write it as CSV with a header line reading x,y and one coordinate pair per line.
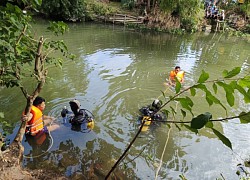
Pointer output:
x,y
176,73
37,122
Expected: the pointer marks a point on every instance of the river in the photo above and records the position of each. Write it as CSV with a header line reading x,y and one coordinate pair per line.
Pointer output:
x,y
116,72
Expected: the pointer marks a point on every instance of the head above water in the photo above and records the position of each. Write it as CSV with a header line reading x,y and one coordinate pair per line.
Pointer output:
x,y
75,106
157,104
177,69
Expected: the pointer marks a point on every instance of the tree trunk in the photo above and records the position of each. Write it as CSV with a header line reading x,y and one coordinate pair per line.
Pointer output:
x,y
16,147
148,6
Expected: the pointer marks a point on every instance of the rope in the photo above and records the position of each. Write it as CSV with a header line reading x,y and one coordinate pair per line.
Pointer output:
x,y
168,88
51,144
164,149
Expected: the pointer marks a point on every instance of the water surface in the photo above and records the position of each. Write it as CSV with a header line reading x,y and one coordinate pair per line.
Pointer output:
x,y
116,72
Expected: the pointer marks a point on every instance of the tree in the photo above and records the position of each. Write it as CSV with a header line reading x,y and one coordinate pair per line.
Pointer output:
x,y
228,83
24,52
74,10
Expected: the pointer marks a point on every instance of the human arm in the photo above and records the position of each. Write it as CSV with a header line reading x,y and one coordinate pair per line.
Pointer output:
x,y
182,79
48,119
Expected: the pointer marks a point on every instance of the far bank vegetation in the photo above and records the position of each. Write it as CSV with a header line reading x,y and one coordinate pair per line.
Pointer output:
x,y
162,15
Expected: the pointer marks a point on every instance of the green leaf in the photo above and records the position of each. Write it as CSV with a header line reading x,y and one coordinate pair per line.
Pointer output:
x,y
244,93
233,84
177,127
168,126
192,91
183,113
230,98
190,102
1,115
224,73
223,138
173,110
200,86
229,92
203,77
200,121
209,124
38,2
215,88
209,99
163,94
226,87
245,82
214,99
244,117
186,103
232,73
166,112
191,129
177,86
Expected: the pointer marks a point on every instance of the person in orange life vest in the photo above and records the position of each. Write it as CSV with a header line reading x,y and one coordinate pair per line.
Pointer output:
x,y
176,73
36,124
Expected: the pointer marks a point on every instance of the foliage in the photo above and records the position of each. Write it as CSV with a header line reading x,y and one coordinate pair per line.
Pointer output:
x,y
1,115
67,10
76,10
16,39
229,83
26,57
100,9
13,24
23,4
245,8
129,4
188,11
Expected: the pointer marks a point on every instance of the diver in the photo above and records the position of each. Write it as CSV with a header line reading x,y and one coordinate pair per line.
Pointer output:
x,y
152,110
151,114
78,116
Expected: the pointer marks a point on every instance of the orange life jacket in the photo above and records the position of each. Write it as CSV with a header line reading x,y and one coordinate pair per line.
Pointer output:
x,y
172,74
36,123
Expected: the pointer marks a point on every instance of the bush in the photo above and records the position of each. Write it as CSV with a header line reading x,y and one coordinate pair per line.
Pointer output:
x,y
66,10
129,4
101,9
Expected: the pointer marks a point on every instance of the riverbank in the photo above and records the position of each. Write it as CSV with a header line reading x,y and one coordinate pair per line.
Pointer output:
x,y
176,18
234,20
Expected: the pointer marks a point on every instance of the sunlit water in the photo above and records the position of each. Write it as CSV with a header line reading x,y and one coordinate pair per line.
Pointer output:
x,y
117,72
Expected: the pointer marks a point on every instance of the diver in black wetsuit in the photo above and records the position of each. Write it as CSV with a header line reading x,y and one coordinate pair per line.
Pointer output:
x,y
152,110
78,116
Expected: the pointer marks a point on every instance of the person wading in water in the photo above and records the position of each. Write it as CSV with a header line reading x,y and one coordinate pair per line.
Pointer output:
x,y
176,73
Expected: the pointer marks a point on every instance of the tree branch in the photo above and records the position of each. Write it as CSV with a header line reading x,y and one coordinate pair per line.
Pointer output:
x,y
20,37
126,150
29,101
213,120
38,56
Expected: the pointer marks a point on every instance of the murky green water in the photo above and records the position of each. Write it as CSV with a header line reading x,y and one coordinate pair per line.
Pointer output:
x,y
117,72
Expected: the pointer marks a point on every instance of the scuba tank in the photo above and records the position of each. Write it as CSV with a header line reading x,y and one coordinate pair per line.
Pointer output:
x,y
64,113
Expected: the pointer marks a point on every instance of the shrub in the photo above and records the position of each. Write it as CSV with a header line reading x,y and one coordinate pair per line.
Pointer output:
x,y
69,10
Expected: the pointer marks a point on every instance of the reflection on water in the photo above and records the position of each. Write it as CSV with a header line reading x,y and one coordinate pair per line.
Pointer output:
x,y
118,72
